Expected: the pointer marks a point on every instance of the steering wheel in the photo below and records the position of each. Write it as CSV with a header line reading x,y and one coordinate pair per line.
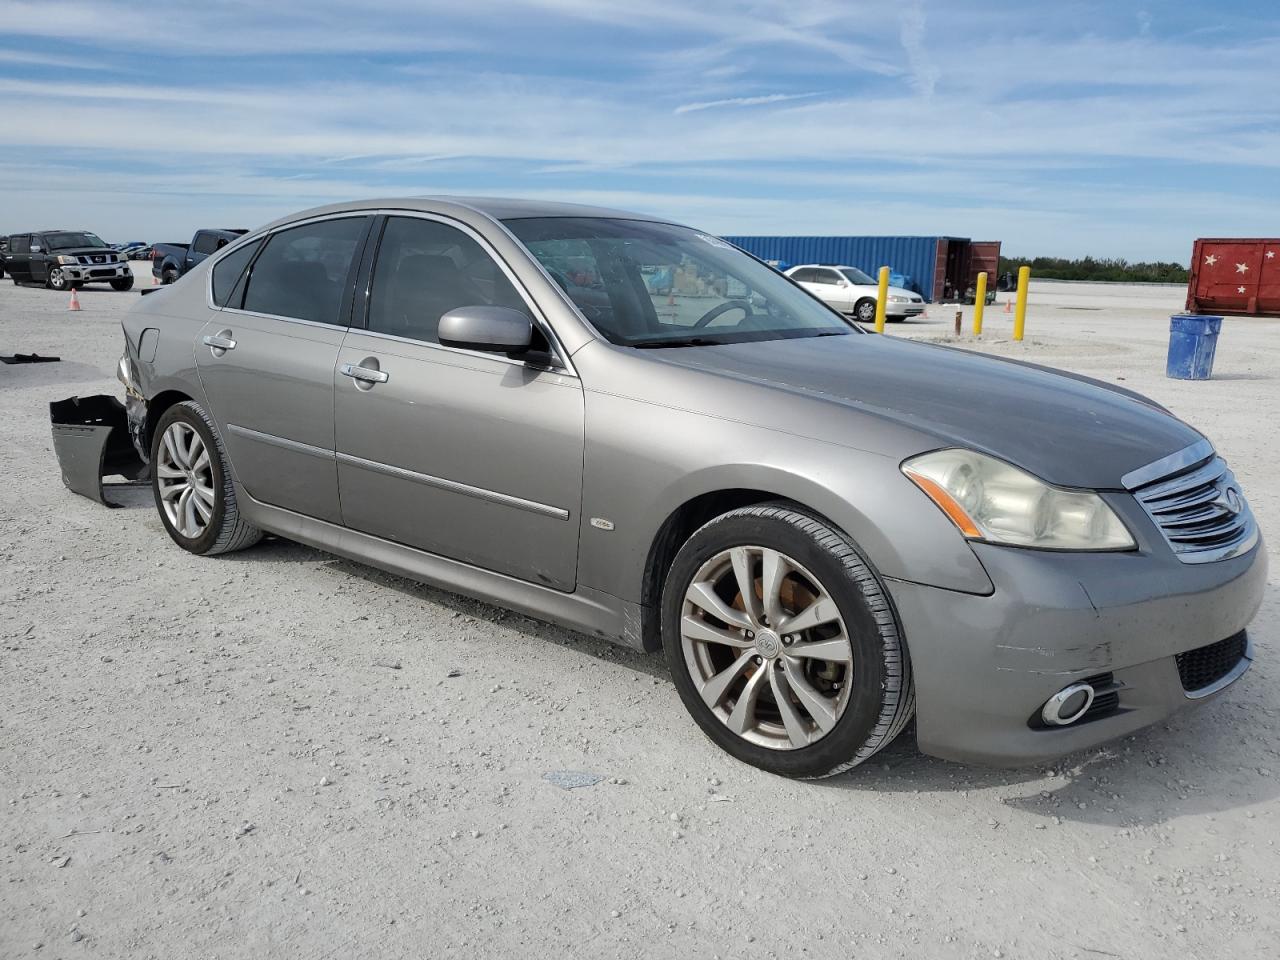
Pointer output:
x,y
719,309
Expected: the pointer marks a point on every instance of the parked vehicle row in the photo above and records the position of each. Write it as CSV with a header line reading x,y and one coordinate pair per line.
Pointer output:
x,y
65,259
169,261
825,531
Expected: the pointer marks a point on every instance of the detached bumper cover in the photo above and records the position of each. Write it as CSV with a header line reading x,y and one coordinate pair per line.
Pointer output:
x,y
91,440
985,665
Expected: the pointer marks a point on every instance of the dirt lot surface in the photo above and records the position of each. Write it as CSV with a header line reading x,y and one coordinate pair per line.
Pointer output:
x,y
284,754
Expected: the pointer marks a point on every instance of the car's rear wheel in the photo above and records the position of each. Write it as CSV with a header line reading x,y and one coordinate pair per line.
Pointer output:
x,y
192,484
782,643
865,311
168,275
57,279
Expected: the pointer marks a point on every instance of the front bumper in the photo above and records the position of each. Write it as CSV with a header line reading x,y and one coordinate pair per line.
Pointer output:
x,y
984,665
96,272
909,309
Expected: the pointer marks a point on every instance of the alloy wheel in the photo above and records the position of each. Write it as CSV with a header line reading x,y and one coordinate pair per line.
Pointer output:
x,y
57,278
766,647
184,475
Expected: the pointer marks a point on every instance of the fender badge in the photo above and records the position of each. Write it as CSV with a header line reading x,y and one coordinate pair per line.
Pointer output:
x,y
600,523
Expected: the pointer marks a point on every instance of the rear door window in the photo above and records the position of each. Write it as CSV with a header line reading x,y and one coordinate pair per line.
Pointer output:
x,y
20,244
304,272
227,271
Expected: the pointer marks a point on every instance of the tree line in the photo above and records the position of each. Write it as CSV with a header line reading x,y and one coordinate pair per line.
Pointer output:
x,y
1089,268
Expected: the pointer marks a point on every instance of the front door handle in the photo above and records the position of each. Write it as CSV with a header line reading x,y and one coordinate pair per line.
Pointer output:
x,y
219,343
364,375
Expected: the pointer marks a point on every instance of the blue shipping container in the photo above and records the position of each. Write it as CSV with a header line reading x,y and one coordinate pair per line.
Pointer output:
x,y
915,257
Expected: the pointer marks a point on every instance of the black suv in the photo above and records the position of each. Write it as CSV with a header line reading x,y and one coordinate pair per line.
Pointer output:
x,y
62,259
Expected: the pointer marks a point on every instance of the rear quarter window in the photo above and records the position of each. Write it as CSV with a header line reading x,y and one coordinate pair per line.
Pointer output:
x,y
227,271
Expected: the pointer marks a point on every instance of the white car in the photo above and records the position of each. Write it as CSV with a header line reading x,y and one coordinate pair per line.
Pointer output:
x,y
852,292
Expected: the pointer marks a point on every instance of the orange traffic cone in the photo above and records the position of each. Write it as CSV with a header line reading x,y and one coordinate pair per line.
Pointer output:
x,y
1008,305
155,281
75,300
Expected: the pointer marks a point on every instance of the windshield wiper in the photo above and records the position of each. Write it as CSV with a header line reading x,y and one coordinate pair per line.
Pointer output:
x,y
675,342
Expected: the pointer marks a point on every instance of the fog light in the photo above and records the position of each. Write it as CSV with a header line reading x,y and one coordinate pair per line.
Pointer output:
x,y
1067,705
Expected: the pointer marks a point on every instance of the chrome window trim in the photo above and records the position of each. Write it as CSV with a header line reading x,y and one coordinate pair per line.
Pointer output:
x,y
453,486
462,351
558,352
1159,469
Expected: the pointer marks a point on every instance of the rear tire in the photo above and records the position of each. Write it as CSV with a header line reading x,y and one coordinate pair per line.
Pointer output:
x,y
851,656
168,275
191,481
122,285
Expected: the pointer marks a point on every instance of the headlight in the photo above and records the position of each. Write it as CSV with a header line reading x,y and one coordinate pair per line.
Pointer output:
x,y
66,259
989,499
897,299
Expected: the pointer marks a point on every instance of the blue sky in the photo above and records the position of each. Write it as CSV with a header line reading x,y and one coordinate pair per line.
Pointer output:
x,y
1117,129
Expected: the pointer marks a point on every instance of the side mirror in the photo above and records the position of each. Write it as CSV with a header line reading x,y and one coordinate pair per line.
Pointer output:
x,y
492,329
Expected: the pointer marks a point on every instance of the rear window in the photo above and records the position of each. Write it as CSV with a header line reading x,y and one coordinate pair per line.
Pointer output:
x,y
228,270
303,272
208,243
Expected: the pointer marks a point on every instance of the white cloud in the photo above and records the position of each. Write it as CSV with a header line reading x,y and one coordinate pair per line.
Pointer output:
x,y
742,101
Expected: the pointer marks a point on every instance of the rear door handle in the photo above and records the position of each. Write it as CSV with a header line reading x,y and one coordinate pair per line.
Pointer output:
x,y
219,343
364,374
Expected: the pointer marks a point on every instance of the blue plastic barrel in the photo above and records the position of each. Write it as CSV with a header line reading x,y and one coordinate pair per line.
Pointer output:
x,y
1192,342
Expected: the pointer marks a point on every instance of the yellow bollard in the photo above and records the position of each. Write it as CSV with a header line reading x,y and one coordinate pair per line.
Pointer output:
x,y
979,303
882,299
1020,312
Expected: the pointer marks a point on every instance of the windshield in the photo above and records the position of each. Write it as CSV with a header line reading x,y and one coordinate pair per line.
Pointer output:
x,y
647,284
857,276
66,241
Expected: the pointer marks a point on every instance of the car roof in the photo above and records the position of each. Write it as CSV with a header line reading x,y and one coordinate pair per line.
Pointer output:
x,y
497,208
825,266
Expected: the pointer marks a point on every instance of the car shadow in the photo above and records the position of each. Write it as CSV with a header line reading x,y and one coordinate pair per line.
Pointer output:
x,y
279,550
1191,764
1188,765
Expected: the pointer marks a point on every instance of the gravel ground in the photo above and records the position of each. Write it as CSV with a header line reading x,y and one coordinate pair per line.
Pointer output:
x,y
284,754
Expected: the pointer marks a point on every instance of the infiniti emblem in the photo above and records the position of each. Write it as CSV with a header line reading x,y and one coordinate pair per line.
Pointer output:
x,y
1229,500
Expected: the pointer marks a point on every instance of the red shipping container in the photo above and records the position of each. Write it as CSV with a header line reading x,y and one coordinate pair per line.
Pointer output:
x,y
1235,277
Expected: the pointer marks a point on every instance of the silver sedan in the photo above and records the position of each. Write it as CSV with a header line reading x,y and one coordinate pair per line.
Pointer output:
x,y
634,429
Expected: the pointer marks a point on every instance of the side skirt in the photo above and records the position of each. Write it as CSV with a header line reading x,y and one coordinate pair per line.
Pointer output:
x,y
585,610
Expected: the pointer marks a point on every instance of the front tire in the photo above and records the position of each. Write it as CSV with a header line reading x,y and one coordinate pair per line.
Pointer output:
x,y
57,279
191,481
783,644
126,283
865,311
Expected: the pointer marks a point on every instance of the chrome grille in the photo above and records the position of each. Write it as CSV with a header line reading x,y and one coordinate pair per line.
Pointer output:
x,y
1199,508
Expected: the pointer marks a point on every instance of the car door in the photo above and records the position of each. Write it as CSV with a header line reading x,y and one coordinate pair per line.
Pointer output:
x,y
18,261
38,261
266,358
472,456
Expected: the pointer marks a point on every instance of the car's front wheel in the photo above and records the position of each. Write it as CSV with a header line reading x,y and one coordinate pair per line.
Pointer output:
x,y
192,484
782,643
865,311
124,283
57,279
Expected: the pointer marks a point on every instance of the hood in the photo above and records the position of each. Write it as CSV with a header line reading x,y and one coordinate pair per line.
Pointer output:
x,y
85,252
1066,429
